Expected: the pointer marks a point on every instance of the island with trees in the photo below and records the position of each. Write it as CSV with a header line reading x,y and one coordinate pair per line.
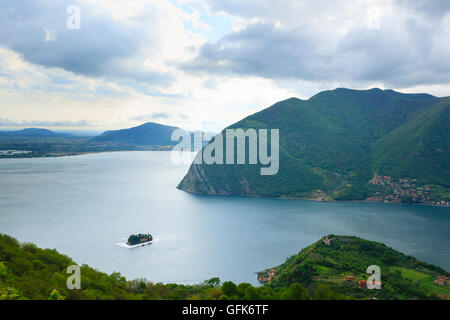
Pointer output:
x,y
136,239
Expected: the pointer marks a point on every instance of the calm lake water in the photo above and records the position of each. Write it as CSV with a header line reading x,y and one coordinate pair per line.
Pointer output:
x,y
84,205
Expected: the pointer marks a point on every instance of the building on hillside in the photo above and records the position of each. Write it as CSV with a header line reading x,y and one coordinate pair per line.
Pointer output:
x,y
327,240
349,278
442,281
271,274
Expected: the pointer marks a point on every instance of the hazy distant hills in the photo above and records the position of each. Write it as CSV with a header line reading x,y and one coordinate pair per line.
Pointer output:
x,y
148,134
33,132
43,142
336,141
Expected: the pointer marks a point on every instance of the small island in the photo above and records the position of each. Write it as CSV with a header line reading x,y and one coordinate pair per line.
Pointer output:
x,y
136,239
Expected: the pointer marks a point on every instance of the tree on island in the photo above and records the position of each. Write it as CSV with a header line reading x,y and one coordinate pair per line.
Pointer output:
x,y
139,238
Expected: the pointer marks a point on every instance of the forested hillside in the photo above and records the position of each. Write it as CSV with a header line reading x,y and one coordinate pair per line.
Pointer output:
x,y
341,263
317,272
333,144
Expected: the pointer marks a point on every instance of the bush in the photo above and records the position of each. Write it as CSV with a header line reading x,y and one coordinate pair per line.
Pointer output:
x,y
251,294
296,292
229,288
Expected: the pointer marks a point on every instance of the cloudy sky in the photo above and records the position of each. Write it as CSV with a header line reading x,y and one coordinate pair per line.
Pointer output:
x,y
204,64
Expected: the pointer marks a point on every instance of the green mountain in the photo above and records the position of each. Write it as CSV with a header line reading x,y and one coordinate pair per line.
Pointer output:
x,y
148,134
341,264
332,144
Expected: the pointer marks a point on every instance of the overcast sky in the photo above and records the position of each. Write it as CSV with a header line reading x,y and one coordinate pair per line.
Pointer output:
x,y
204,64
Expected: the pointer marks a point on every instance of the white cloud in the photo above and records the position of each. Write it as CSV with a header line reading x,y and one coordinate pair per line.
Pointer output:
x,y
123,66
369,42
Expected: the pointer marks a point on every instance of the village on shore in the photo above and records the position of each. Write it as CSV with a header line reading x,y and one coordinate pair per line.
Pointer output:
x,y
403,190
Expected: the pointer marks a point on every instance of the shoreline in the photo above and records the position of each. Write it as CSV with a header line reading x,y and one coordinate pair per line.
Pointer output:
x,y
143,244
62,155
311,200
125,245
231,195
79,154
83,154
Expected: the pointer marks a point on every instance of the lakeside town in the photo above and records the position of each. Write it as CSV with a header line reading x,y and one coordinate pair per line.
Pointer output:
x,y
11,153
403,190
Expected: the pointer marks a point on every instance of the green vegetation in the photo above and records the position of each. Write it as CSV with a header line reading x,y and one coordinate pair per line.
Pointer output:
x,y
403,277
28,272
139,238
332,145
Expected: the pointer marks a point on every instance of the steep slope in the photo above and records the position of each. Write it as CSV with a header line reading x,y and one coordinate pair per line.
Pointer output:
x,y
418,148
342,262
331,145
148,134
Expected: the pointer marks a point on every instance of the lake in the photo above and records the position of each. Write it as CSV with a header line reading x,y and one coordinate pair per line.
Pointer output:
x,y
84,205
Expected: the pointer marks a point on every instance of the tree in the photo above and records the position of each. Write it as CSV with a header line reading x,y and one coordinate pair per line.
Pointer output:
x,y
10,294
213,282
303,273
296,292
242,287
4,272
251,294
214,294
229,288
323,292
136,239
55,295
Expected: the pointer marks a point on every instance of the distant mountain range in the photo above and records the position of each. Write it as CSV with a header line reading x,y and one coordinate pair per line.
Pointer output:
x,y
44,142
334,143
33,132
148,134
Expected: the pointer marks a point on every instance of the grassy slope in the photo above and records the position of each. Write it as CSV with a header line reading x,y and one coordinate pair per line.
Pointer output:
x,y
335,141
418,148
403,277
